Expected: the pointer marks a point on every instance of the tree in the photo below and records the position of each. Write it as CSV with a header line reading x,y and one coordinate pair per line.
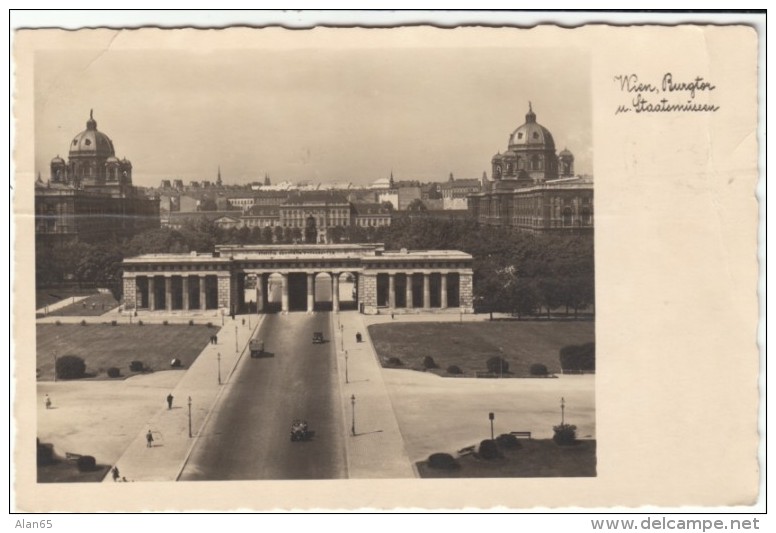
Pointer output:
x,y
336,234
523,297
266,235
295,235
387,205
207,204
417,206
280,234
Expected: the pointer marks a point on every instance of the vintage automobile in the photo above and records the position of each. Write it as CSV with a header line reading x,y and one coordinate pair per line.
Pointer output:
x,y
299,431
318,337
257,347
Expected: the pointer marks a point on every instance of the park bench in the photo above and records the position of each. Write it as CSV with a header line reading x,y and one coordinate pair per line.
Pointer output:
x,y
466,451
521,434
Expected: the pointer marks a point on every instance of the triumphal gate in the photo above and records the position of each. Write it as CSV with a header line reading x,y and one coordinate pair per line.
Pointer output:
x,y
272,278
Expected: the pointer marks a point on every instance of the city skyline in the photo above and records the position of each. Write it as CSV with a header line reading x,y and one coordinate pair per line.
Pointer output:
x,y
318,115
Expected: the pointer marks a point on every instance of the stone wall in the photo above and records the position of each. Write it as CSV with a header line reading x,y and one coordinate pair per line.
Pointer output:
x,y
367,293
130,293
224,292
466,293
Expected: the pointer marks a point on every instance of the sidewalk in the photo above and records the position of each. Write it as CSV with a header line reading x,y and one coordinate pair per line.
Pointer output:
x,y
170,427
377,448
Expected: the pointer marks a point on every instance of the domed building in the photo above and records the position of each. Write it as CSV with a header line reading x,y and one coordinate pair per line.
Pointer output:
x,y
532,188
90,197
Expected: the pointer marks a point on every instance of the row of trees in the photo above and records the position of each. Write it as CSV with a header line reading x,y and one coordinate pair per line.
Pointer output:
x,y
514,272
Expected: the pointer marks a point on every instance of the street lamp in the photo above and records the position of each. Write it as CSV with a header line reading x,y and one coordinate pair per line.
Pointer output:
x,y
353,414
346,367
219,367
236,349
562,411
189,416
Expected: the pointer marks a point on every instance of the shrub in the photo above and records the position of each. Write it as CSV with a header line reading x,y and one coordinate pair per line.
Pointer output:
x,y
58,323
454,369
489,450
136,366
578,357
45,453
191,322
175,363
70,367
139,322
428,362
508,442
442,461
164,323
114,372
86,463
497,365
210,324
114,323
394,361
538,369
565,434
83,322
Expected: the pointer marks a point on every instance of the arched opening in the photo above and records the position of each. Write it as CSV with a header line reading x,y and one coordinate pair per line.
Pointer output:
x,y
274,293
587,216
323,291
348,291
297,291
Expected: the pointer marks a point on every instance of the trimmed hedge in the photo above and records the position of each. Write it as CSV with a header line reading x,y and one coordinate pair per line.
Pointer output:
x,y
136,366
454,369
508,442
538,369
428,362
442,461
578,357
394,361
114,372
70,367
565,434
489,450
86,463
497,365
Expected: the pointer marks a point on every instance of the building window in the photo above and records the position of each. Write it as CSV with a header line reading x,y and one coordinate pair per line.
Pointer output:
x,y
567,216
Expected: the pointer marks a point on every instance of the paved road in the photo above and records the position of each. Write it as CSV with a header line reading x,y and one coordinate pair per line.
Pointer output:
x,y
247,436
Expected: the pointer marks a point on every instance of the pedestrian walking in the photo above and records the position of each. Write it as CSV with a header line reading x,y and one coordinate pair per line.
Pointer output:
x,y
243,321
169,401
115,472
391,315
48,402
149,439
215,339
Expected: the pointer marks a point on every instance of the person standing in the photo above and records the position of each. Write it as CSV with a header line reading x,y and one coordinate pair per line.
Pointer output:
x,y
48,402
115,472
149,439
169,401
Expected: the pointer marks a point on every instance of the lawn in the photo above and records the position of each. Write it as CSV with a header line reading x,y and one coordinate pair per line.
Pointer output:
x,y
469,344
535,458
103,346
44,297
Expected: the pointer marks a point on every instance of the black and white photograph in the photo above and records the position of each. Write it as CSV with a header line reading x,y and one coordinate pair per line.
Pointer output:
x,y
275,256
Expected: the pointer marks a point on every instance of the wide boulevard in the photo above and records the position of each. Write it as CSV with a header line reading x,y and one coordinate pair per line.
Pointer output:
x,y
248,433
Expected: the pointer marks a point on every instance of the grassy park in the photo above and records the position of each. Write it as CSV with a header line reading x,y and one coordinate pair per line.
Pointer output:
x,y
535,458
468,345
103,346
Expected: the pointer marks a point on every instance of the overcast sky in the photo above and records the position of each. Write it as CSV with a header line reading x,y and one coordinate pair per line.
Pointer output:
x,y
322,115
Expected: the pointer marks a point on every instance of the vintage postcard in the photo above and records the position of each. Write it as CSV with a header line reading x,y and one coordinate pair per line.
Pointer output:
x,y
408,267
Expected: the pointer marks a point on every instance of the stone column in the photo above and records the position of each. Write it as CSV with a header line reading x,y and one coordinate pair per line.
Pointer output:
x,y
310,292
185,299
168,293
260,293
284,298
130,292
202,293
409,291
335,292
392,291
443,290
426,291
151,293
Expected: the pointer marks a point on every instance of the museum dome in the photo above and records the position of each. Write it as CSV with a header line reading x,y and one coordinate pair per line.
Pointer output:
x,y
91,142
531,134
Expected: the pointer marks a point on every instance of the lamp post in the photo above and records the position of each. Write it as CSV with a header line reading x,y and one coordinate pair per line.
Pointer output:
x,y
189,416
55,365
222,316
346,367
236,343
353,414
562,411
491,416
219,367
342,336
